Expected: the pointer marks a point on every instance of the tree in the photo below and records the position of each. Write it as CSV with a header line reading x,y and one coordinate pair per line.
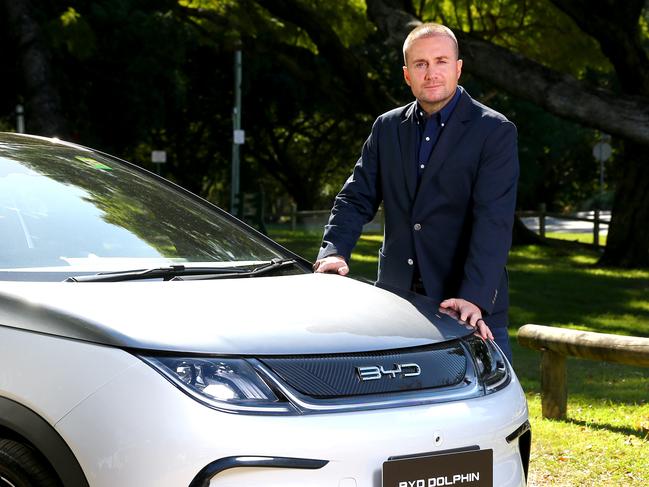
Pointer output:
x,y
131,76
616,27
43,101
303,123
625,113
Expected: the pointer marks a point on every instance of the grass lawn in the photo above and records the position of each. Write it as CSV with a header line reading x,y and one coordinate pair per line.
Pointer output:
x,y
577,237
605,440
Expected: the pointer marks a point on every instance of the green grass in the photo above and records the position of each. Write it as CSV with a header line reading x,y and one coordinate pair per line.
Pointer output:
x,y
605,439
577,237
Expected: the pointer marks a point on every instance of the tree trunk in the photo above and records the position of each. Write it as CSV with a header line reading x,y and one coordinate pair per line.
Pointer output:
x,y
627,244
521,235
616,27
43,111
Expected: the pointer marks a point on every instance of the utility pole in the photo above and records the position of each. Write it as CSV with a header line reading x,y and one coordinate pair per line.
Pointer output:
x,y
602,152
238,135
20,119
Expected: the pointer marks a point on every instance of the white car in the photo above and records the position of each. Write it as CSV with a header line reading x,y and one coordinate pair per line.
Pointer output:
x,y
148,338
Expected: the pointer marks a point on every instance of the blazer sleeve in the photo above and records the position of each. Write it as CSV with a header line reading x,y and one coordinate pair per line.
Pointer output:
x,y
357,202
494,204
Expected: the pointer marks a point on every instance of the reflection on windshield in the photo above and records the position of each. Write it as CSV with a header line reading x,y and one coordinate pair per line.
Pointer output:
x,y
61,206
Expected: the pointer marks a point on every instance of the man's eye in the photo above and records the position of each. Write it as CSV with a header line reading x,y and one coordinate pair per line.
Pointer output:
x,y
421,65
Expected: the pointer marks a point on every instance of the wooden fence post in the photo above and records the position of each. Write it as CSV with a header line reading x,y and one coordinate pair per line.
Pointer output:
x,y
596,229
557,343
542,209
554,385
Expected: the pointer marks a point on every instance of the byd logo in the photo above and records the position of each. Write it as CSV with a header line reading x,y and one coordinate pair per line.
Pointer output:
x,y
375,372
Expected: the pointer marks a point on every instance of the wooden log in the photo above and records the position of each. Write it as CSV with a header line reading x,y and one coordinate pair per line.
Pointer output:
x,y
620,349
554,385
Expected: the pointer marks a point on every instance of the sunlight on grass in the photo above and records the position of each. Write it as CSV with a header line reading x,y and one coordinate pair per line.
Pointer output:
x,y
599,444
356,257
621,273
639,304
583,259
372,238
577,237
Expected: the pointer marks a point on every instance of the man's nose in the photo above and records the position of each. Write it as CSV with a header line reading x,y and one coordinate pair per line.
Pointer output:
x,y
431,72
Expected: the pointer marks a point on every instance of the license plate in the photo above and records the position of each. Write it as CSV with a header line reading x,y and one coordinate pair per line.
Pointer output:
x,y
463,469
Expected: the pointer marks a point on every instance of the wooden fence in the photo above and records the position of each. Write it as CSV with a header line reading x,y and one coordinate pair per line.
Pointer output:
x,y
558,343
318,218
542,215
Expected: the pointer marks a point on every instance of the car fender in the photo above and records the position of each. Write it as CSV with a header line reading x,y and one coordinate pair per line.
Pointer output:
x,y
26,424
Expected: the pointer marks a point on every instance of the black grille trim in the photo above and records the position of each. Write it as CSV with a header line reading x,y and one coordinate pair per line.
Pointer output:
x,y
336,376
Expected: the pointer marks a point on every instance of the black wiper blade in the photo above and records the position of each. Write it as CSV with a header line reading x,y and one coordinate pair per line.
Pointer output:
x,y
259,270
166,273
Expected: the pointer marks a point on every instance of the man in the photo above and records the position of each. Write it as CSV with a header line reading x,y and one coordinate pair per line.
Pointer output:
x,y
445,168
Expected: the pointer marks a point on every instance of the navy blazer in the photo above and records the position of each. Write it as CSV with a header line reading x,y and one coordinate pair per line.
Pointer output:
x,y
457,226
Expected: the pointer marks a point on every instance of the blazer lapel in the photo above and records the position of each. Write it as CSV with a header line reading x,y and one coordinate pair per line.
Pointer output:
x,y
449,138
408,144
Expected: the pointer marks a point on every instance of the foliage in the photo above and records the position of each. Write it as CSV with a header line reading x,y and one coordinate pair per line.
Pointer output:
x,y
535,28
557,167
137,75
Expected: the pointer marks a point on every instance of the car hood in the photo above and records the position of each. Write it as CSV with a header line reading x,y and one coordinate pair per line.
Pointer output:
x,y
303,314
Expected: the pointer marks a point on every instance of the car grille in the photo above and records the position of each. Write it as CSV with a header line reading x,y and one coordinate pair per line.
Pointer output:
x,y
331,376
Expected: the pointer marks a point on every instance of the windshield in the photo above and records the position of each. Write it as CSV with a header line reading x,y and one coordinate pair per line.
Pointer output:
x,y
65,209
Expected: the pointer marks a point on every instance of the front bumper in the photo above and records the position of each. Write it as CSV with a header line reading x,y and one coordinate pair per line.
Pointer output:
x,y
139,430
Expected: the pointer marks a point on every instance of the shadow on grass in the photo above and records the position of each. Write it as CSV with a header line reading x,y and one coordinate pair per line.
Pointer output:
x,y
637,432
548,289
589,382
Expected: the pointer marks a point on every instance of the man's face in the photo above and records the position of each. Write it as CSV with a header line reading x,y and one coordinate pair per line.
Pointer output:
x,y
432,71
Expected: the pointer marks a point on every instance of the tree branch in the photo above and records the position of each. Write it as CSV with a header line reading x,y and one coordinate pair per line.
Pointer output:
x,y
352,69
560,94
615,25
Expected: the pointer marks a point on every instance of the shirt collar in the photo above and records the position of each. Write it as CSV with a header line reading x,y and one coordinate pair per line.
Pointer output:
x,y
444,114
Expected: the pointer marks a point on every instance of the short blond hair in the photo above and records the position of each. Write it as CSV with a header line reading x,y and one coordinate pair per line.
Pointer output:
x,y
429,29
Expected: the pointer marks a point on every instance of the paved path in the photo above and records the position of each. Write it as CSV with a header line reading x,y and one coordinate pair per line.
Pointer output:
x,y
569,226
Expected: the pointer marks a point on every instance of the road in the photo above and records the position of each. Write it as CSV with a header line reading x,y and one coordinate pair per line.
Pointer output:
x,y
569,226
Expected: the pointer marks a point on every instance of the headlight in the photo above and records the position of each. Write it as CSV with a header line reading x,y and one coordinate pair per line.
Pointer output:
x,y
227,384
491,367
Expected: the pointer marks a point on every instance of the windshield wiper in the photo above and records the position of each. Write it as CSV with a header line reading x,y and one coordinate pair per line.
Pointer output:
x,y
264,268
182,273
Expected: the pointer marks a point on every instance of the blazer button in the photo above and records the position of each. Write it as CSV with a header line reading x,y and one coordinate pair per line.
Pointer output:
x,y
417,227
411,262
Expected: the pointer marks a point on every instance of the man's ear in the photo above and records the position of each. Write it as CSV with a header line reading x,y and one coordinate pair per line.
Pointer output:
x,y
459,68
406,75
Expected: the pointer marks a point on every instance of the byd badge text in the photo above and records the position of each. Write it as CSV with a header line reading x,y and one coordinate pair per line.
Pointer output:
x,y
377,372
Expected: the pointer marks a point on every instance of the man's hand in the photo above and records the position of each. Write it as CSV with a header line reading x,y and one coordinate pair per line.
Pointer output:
x,y
468,312
334,264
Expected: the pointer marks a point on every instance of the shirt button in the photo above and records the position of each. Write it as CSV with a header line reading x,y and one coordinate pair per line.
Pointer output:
x,y
422,166
427,139
442,124
417,226
411,262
